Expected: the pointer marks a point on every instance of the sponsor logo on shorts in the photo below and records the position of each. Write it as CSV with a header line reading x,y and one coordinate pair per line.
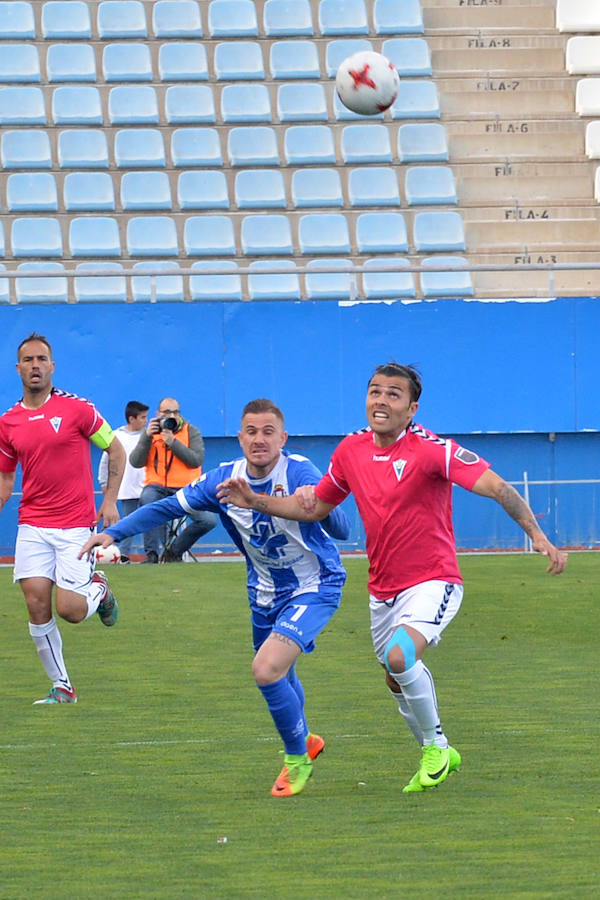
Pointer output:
x,y
290,627
444,604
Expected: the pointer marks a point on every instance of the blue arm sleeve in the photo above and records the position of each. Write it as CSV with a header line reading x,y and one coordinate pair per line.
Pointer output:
x,y
147,517
337,524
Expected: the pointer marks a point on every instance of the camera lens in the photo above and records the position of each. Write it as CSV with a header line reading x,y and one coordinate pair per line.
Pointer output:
x,y
168,422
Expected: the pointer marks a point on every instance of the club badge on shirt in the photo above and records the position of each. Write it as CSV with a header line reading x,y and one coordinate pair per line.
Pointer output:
x,y
55,422
399,466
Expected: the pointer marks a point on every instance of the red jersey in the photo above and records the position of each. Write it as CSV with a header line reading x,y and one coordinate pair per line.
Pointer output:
x,y
404,496
52,445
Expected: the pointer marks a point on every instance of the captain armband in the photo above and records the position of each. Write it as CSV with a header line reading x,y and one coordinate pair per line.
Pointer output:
x,y
104,437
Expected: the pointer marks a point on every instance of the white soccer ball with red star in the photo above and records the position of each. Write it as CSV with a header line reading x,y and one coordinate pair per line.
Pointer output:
x,y
110,554
367,83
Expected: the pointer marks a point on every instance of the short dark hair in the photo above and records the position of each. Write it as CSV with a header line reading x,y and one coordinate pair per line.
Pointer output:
x,y
262,405
393,369
134,408
34,336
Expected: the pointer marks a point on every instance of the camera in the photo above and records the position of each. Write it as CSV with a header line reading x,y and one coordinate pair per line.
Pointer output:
x,y
168,422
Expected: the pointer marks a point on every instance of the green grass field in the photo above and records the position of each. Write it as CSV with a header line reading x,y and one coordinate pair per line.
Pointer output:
x,y
170,749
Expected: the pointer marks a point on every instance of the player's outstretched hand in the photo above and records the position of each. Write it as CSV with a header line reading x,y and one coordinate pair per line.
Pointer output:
x,y
96,540
109,513
236,491
558,558
306,497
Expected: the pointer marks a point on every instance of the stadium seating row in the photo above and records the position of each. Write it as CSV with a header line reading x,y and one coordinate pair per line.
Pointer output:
x,y
577,15
208,189
189,60
246,146
455,281
194,104
215,235
110,19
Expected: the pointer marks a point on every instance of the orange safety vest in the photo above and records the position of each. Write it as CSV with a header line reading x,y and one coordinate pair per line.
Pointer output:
x,y
166,469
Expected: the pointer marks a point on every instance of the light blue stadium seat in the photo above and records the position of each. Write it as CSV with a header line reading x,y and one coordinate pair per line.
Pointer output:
x,y
294,59
94,236
392,17
82,148
323,233
301,103
196,147
17,21
19,62
157,287
260,189
152,236
239,61
25,149
215,287
206,189
316,187
411,56
254,145
121,19
22,106
429,185
266,234
70,62
100,288
422,142
35,236
66,20
284,286
209,236
381,233
89,191
373,187
146,190
4,288
287,18
330,285
41,290
387,285
337,51
343,114
366,144
232,18
438,231
76,104
245,103
31,192
343,17
190,103
130,104
455,282
416,100
176,18
126,62
182,61
139,148
309,145
1,239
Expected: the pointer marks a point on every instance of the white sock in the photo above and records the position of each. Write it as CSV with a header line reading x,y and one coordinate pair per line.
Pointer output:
x,y
419,693
48,643
408,716
94,596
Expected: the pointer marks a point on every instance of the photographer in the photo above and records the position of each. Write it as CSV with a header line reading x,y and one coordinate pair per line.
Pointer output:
x,y
172,452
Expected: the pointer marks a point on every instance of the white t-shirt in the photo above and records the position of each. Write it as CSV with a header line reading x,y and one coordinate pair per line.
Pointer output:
x,y
133,479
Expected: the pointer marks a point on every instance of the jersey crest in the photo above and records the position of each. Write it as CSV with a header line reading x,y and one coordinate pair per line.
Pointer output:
x,y
55,421
399,466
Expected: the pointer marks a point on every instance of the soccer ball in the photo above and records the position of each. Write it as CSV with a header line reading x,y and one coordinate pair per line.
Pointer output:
x,y
110,554
367,83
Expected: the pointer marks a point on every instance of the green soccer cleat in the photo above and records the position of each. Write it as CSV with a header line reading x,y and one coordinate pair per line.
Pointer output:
x,y
108,608
58,695
415,785
294,775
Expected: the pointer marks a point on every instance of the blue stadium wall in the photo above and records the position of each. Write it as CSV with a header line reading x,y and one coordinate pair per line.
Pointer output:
x,y
515,381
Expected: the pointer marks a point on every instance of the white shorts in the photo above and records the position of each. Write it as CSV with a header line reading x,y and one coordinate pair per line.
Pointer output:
x,y
428,608
52,553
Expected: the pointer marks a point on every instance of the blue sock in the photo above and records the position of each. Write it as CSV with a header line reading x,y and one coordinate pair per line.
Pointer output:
x,y
295,682
286,711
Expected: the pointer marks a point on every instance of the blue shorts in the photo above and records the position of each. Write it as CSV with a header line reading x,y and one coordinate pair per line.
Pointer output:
x,y
301,619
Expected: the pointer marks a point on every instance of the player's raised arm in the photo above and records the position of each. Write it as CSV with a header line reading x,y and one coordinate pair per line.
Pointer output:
x,y
490,484
238,492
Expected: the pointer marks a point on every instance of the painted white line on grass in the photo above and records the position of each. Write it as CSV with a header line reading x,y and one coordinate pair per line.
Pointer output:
x,y
160,743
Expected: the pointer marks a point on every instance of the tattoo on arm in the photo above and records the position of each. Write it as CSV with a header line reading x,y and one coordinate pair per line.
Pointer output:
x,y
517,509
